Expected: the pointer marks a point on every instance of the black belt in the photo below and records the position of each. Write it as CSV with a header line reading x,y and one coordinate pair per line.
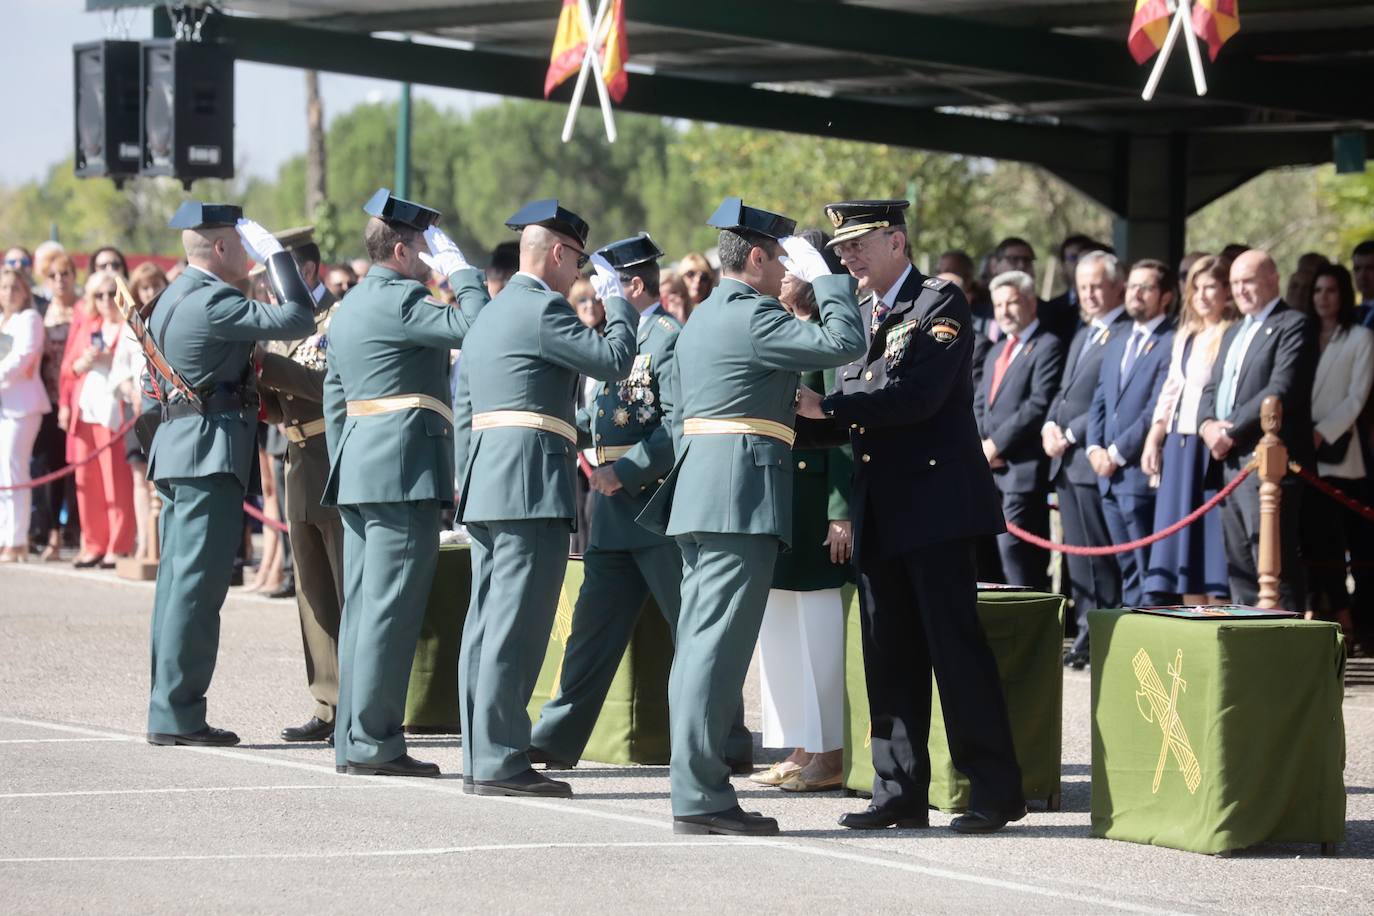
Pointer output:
x,y
217,402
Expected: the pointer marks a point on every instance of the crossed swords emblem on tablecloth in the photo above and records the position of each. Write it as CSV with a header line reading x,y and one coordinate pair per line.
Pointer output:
x,y
1162,708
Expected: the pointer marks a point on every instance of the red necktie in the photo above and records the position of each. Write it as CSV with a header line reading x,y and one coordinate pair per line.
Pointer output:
x,y
999,368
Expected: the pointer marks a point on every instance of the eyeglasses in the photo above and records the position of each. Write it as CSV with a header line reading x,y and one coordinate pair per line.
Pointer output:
x,y
1142,287
582,257
18,262
107,265
853,247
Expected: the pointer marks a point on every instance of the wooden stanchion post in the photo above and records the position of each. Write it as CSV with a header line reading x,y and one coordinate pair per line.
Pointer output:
x,y
1273,465
144,568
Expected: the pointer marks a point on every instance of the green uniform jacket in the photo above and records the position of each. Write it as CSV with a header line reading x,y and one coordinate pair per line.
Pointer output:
x,y
525,354
392,338
209,339
739,356
820,492
630,413
291,377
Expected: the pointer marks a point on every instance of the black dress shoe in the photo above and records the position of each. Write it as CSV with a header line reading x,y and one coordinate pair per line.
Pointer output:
x,y
550,762
340,768
985,822
878,818
286,591
731,822
404,765
206,737
315,730
526,784
88,562
739,767
1076,660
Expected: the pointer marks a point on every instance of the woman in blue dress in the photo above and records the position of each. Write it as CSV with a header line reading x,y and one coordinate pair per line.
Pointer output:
x,y
1192,563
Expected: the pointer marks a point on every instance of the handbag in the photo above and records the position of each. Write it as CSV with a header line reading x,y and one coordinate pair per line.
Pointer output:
x,y
1334,452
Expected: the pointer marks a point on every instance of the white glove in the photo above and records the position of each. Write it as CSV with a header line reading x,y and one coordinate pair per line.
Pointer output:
x,y
446,258
605,281
259,243
802,260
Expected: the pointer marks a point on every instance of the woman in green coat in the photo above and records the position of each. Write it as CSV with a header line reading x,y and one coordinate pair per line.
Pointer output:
x,y
801,643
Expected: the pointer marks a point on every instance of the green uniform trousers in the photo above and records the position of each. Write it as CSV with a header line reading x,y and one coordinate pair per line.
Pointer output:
x,y
614,586
725,585
390,552
318,551
517,573
200,529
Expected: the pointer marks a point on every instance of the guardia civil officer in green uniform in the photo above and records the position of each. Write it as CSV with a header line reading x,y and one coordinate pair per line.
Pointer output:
x,y
390,437
291,377
520,369
728,499
624,561
920,499
204,448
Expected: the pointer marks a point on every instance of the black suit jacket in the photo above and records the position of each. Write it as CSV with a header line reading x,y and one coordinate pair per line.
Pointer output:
x,y
1060,317
907,406
1012,419
1070,406
1281,360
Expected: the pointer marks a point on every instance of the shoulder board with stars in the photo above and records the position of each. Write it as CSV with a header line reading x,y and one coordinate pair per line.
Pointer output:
x,y
935,283
666,324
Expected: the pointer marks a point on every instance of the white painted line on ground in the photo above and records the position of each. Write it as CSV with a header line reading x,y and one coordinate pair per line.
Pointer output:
x,y
194,789
373,853
54,740
454,788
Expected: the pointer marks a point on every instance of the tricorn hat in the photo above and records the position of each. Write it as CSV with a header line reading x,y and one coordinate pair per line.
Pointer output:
x,y
195,215
631,252
397,210
550,215
734,215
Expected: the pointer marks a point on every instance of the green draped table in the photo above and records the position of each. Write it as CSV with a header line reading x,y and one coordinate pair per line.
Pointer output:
x,y
432,698
633,725
1025,631
1213,735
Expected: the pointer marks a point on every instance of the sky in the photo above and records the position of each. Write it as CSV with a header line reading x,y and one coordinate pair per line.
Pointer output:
x,y
36,71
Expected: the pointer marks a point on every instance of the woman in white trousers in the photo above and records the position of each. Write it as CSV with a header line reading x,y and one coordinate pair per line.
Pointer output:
x,y
23,401
801,642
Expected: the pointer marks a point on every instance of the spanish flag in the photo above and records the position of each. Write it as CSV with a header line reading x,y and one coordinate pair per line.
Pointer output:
x,y
1215,21
570,47
1148,28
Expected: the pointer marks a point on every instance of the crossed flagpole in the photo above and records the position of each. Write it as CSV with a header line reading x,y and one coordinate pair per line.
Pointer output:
x,y
1182,22
597,31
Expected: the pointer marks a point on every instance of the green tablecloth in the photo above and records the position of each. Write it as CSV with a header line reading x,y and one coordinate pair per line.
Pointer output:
x,y
1026,633
432,698
1255,744
633,725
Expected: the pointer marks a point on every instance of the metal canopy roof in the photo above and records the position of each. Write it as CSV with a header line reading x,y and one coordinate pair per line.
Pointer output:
x,y
1044,81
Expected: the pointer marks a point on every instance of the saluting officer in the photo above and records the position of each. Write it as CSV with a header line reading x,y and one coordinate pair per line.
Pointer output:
x,y
922,493
390,437
728,498
291,374
519,377
203,451
624,561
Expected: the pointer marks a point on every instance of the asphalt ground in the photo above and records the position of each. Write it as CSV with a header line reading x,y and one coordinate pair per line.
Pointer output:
x,y
93,819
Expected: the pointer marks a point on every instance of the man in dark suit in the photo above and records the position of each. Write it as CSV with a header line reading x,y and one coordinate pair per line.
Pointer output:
x,y
1020,376
921,495
1096,580
1133,369
1272,351
1066,303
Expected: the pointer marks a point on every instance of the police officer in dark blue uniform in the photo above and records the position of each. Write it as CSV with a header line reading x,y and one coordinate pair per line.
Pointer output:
x,y
922,494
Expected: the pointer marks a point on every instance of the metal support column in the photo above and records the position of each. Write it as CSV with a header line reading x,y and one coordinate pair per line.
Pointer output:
x,y
1152,194
403,144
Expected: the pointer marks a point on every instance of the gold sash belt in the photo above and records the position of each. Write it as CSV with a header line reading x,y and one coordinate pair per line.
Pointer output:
x,y
605,453
527,419
737,426
397,403
304,431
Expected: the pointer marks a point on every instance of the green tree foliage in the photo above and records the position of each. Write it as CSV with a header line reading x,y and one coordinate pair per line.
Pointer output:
x,y
1284,211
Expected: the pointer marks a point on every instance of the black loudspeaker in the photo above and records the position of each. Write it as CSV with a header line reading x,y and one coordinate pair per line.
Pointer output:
x,y
187,126
107,96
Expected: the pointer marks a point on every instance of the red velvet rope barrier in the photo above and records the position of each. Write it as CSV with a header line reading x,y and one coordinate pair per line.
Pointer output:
x,y
116,437
1356,507
1146,541
256,513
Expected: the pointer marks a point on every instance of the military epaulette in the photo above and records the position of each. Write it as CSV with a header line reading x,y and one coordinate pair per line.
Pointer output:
x,y
430,300
666,324
935,283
